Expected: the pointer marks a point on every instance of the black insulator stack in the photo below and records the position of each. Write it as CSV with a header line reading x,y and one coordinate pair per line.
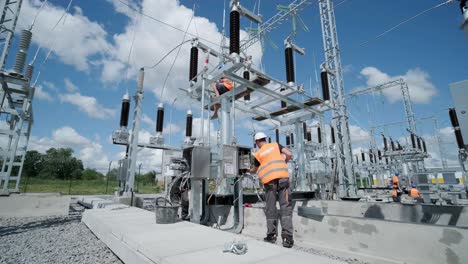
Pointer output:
x,y
319,135
188,124
357,159
283,104
124,111
247,77
363,157
333,135
392,144
160,119
309,136
419,143
269,139
453,117
399,146
385,143
386,161
234,32
424,146
455,124
379,153
193,64
371,156
277,135
288,140
304,130
325,89
289,59
413,140
292,139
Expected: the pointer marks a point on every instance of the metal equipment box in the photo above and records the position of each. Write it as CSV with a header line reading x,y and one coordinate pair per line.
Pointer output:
x,y
199,159
459,91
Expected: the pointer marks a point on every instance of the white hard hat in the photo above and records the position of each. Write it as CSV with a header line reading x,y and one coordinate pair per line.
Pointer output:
x,y
260,135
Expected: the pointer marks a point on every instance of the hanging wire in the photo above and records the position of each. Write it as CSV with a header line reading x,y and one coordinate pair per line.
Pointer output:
x,y
407,20
177,54
165,23
37,14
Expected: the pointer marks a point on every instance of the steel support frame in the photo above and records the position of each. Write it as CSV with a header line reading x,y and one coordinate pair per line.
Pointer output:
x,y
8,20
345,164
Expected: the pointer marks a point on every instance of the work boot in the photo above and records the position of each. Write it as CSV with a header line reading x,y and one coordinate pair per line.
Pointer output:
x,y
271,238
288,242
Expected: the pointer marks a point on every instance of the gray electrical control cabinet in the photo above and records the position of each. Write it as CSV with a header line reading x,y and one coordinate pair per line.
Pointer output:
x,y
236,160
199,159
459,91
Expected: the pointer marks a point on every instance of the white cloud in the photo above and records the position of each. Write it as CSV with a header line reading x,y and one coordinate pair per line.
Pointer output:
x,y
50,86
75,40
69,137
39,93
358,134
147,120
89,105
70,86
420,87
149,47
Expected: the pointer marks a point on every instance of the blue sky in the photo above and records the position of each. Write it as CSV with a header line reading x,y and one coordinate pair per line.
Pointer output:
x,y
79,90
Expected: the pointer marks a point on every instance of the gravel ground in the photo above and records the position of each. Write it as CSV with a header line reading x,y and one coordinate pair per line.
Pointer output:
x,y
51,240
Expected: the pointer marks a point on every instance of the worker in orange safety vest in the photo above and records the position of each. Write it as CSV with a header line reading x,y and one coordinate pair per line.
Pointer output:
x,y
270,164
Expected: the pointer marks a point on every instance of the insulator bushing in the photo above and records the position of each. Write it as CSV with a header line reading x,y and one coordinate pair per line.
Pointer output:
x,y
309,136
269,139
363,157
325,86
419,143
292,139
125,111
371,156
193,64
333,135
424,146
277,135
453,117
283,104
319,135
399,146
458,136
385,143
413,140
188,124
28,75
392,144
304,130
386,161
20,59
357,159
160,119
289,59
234,32
25,40
247,77
288,140
379,153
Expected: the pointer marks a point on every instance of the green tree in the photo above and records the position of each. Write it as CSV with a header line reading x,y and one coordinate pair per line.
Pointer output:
x,y
60,164
91,174
33,163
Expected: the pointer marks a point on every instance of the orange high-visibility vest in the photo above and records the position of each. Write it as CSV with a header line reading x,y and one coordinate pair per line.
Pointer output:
x,y
414,193
228,84
272,165
395,182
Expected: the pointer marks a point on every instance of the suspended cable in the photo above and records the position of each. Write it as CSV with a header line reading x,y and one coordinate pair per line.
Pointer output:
x,y
37,14
177,55
167,54
407,20
165,23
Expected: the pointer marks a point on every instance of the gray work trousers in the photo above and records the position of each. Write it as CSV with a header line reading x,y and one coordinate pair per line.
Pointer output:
x,y
279,190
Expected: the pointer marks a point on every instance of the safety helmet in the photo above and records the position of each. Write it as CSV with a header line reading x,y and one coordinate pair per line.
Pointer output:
x,y
413,185
259,136
397,174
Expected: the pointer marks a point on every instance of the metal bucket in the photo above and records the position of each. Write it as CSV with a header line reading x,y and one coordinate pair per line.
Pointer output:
x,y
166,213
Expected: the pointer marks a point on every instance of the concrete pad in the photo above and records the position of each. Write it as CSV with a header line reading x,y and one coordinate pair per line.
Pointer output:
x,y
133,235
372,240
34,205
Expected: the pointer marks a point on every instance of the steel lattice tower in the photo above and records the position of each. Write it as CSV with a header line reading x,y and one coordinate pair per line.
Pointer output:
x,y
9,17
345,167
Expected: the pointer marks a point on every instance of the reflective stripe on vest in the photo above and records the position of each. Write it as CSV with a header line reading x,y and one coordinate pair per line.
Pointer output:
x,y
272,165
228,84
